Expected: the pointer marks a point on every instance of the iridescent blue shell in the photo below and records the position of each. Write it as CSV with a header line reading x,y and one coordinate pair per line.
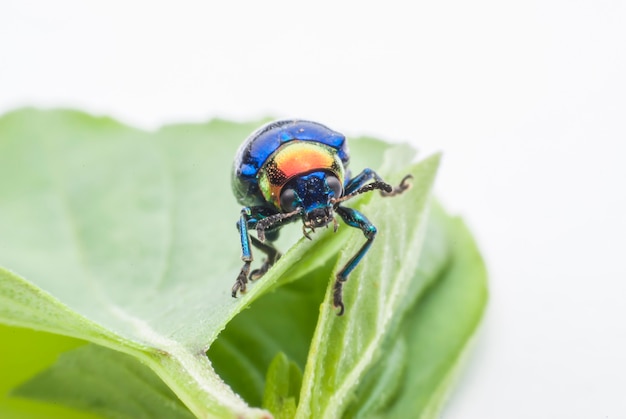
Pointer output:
x,y
259,146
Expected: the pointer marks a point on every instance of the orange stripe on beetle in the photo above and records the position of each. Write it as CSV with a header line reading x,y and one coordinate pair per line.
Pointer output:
x,y
294,159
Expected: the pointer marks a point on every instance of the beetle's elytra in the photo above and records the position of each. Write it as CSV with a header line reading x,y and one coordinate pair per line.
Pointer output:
x,y
294,169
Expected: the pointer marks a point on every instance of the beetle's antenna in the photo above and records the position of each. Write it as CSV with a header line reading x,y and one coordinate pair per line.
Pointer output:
x,y
268,222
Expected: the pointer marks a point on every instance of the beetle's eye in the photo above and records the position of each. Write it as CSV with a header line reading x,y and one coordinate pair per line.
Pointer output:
x,y
334,184
288,199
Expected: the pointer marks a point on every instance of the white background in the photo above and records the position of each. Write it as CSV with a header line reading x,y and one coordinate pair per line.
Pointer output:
x,y
527,100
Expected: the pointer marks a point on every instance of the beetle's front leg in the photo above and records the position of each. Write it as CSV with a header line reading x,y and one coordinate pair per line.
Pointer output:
x,y
358,185
260,219
246,253
361,179
397,190
355,219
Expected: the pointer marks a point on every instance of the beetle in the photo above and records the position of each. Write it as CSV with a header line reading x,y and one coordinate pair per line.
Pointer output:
x,y
297,169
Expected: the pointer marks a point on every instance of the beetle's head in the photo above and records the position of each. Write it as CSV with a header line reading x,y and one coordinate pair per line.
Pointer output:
x,y
313,193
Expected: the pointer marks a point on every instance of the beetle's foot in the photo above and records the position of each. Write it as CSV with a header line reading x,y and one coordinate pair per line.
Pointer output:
x,y
267,264
338,296
258,273
306,233
403,186
242,280
240,285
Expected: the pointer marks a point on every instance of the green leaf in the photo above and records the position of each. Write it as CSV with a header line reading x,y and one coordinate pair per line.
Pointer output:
x,y
282,321
283,383
343,348
23,353
107,382
418,363
126,239
114,235
449,315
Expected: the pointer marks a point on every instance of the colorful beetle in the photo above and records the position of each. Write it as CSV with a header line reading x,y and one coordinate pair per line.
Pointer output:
x,y
296,168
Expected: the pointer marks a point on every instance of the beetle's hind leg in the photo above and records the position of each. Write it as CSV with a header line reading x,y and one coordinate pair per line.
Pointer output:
x,y
267,229
272,255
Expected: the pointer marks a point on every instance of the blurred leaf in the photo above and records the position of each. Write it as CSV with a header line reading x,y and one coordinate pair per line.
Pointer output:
x,y
283,383
23,353
441,326
107,382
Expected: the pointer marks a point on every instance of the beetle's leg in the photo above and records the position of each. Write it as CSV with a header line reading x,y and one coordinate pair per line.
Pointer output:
x,y
361,179
272,256
273,221
261,219
355,219
246,253
397,190
368,174
269,224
